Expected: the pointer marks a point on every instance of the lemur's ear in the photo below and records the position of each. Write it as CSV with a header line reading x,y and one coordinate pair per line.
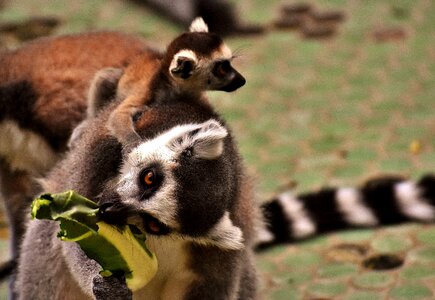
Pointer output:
x,y
77,133
208,142
183,64
198,25
205,141
103,89
101,92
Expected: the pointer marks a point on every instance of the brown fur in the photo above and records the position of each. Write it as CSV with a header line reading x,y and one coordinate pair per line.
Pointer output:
x,y
133,86
60,69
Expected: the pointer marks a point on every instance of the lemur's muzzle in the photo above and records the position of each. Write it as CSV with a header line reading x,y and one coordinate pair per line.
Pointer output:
x,y
118,214
113,213
236,82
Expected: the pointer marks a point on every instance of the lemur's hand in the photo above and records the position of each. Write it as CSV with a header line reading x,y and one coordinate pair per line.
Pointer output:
x,y
111,288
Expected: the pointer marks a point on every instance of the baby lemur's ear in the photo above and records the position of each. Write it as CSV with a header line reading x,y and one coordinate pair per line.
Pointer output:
x,y
103,89
183,64
198,25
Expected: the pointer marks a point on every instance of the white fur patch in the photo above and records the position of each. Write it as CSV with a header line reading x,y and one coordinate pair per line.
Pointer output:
x,y
205,139
264,235
24,149
198,25
223,53
225,235
162,205
185,53
410,202
174,276
207,143
301,224
353,209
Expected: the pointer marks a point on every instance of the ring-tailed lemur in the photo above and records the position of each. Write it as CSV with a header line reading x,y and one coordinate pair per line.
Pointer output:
x,y
194,62
43,90
180,179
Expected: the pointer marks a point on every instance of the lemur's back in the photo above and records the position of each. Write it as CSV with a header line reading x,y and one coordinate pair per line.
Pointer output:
x,y
44,85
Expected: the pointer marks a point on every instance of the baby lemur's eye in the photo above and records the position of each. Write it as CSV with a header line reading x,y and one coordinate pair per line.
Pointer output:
x,y
221,68
150,179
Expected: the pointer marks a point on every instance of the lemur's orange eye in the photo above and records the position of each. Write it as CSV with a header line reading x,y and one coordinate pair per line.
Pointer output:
x,y
150,179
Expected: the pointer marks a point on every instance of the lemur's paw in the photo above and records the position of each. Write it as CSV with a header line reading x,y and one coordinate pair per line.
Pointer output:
x,y
111,288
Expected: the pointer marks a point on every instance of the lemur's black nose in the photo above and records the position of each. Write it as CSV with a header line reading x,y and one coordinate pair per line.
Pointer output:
x,y
113,213
237,82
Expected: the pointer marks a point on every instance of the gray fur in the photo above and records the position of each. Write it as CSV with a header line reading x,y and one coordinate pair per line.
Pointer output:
x,y
206,252
210,271
43,271
103,89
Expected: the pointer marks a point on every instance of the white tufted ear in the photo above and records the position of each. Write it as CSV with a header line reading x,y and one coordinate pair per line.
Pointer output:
x,y
209,141
198,25
183,64
205,141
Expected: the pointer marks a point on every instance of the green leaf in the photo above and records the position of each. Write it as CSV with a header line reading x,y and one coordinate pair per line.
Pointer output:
x,y
67,207
119,250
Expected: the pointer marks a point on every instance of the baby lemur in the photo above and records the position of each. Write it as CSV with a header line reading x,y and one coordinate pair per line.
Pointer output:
x,y
172,170
194,62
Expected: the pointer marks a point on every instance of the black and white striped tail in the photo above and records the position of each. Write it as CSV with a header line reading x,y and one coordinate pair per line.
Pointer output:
x,y
381,201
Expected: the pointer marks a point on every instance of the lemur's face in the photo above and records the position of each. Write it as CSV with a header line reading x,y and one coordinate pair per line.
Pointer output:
x,y
213,73
178,183
202,61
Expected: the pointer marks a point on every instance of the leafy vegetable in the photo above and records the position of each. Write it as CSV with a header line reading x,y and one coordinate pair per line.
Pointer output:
x,y
118,249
